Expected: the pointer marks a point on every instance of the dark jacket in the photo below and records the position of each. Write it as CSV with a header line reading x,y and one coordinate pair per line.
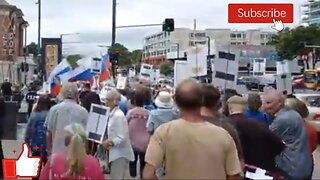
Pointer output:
x,y
2,116
260,146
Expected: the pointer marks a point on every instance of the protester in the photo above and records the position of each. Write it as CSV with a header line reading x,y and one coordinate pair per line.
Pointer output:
x,y
227,93
190,147
85,89
164,112
295,160
301,108
210,112
123,104
253,109
2,116
259,145
6,88
63,114
117,140
137,120
148,104
74,163
36,132
88,99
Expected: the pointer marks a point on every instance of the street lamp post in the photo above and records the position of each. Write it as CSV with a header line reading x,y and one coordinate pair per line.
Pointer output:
x,y
209,65
25,53
113,36
40,64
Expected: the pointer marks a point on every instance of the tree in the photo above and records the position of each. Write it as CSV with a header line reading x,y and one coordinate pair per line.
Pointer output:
x,y
33,49
124,59
291,42
72,59
166,68
136,56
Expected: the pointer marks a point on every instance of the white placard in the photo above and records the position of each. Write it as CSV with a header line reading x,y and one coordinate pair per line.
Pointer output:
x,y
146,71
181,72
97,122
96,65
197,60
259,66
283,67
226,66
121,82
284,83
46,88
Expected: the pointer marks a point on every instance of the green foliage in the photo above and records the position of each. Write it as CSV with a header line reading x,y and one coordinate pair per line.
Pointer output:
x,y
166,68
72,59
290,42
124,55
33,49
136,56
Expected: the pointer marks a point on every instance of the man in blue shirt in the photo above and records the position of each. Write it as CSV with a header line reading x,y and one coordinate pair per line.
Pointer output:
x,y
253,109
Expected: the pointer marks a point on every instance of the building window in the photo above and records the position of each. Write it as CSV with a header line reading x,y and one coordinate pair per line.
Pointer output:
x,y
233,43
191,43
238,36
262,36
244,36
243,53
191,35
233,36
200,35
239,43
168,50
244,43
262,44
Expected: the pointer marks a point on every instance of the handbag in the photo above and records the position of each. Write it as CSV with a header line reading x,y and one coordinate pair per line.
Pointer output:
x,y
102,156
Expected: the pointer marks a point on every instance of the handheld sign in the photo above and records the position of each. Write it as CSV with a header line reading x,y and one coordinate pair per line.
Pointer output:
x,y
95,66
226,70
259,66
284,83
97,122
122,82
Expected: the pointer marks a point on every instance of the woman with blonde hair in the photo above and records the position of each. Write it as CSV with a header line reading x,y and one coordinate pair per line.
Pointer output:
x,y
76,164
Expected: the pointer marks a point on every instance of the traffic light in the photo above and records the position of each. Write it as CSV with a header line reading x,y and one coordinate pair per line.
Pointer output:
x,y
168,25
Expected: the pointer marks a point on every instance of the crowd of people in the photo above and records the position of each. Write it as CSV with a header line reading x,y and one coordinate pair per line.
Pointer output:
x,y
196,133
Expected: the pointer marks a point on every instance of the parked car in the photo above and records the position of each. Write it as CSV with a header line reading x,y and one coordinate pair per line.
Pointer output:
x,y
313,103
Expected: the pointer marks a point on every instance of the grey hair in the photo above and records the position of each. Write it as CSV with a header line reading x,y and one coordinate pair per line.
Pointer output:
x,y
69,91
113,95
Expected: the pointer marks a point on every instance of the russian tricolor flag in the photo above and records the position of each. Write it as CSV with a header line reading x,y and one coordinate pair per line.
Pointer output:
x,y
105,66
55,83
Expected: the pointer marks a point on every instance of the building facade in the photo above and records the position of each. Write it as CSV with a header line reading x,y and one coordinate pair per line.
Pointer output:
x,y
310,12
158,46
12,39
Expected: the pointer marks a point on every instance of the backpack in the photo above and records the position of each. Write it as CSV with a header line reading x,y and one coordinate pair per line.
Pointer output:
x,y
38,139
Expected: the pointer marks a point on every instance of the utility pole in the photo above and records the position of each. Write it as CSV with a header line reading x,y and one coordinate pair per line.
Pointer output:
x,y
113,38
40,64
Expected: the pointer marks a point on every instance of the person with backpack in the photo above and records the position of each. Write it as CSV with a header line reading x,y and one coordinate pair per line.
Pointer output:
x,y
36,132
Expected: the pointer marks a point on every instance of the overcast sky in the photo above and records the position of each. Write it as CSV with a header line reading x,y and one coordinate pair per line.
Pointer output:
x,y
92,18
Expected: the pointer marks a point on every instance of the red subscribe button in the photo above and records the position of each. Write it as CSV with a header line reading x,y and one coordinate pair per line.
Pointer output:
x,y
260,13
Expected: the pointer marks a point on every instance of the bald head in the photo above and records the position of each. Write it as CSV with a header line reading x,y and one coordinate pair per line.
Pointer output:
x,y
188,95
273,101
